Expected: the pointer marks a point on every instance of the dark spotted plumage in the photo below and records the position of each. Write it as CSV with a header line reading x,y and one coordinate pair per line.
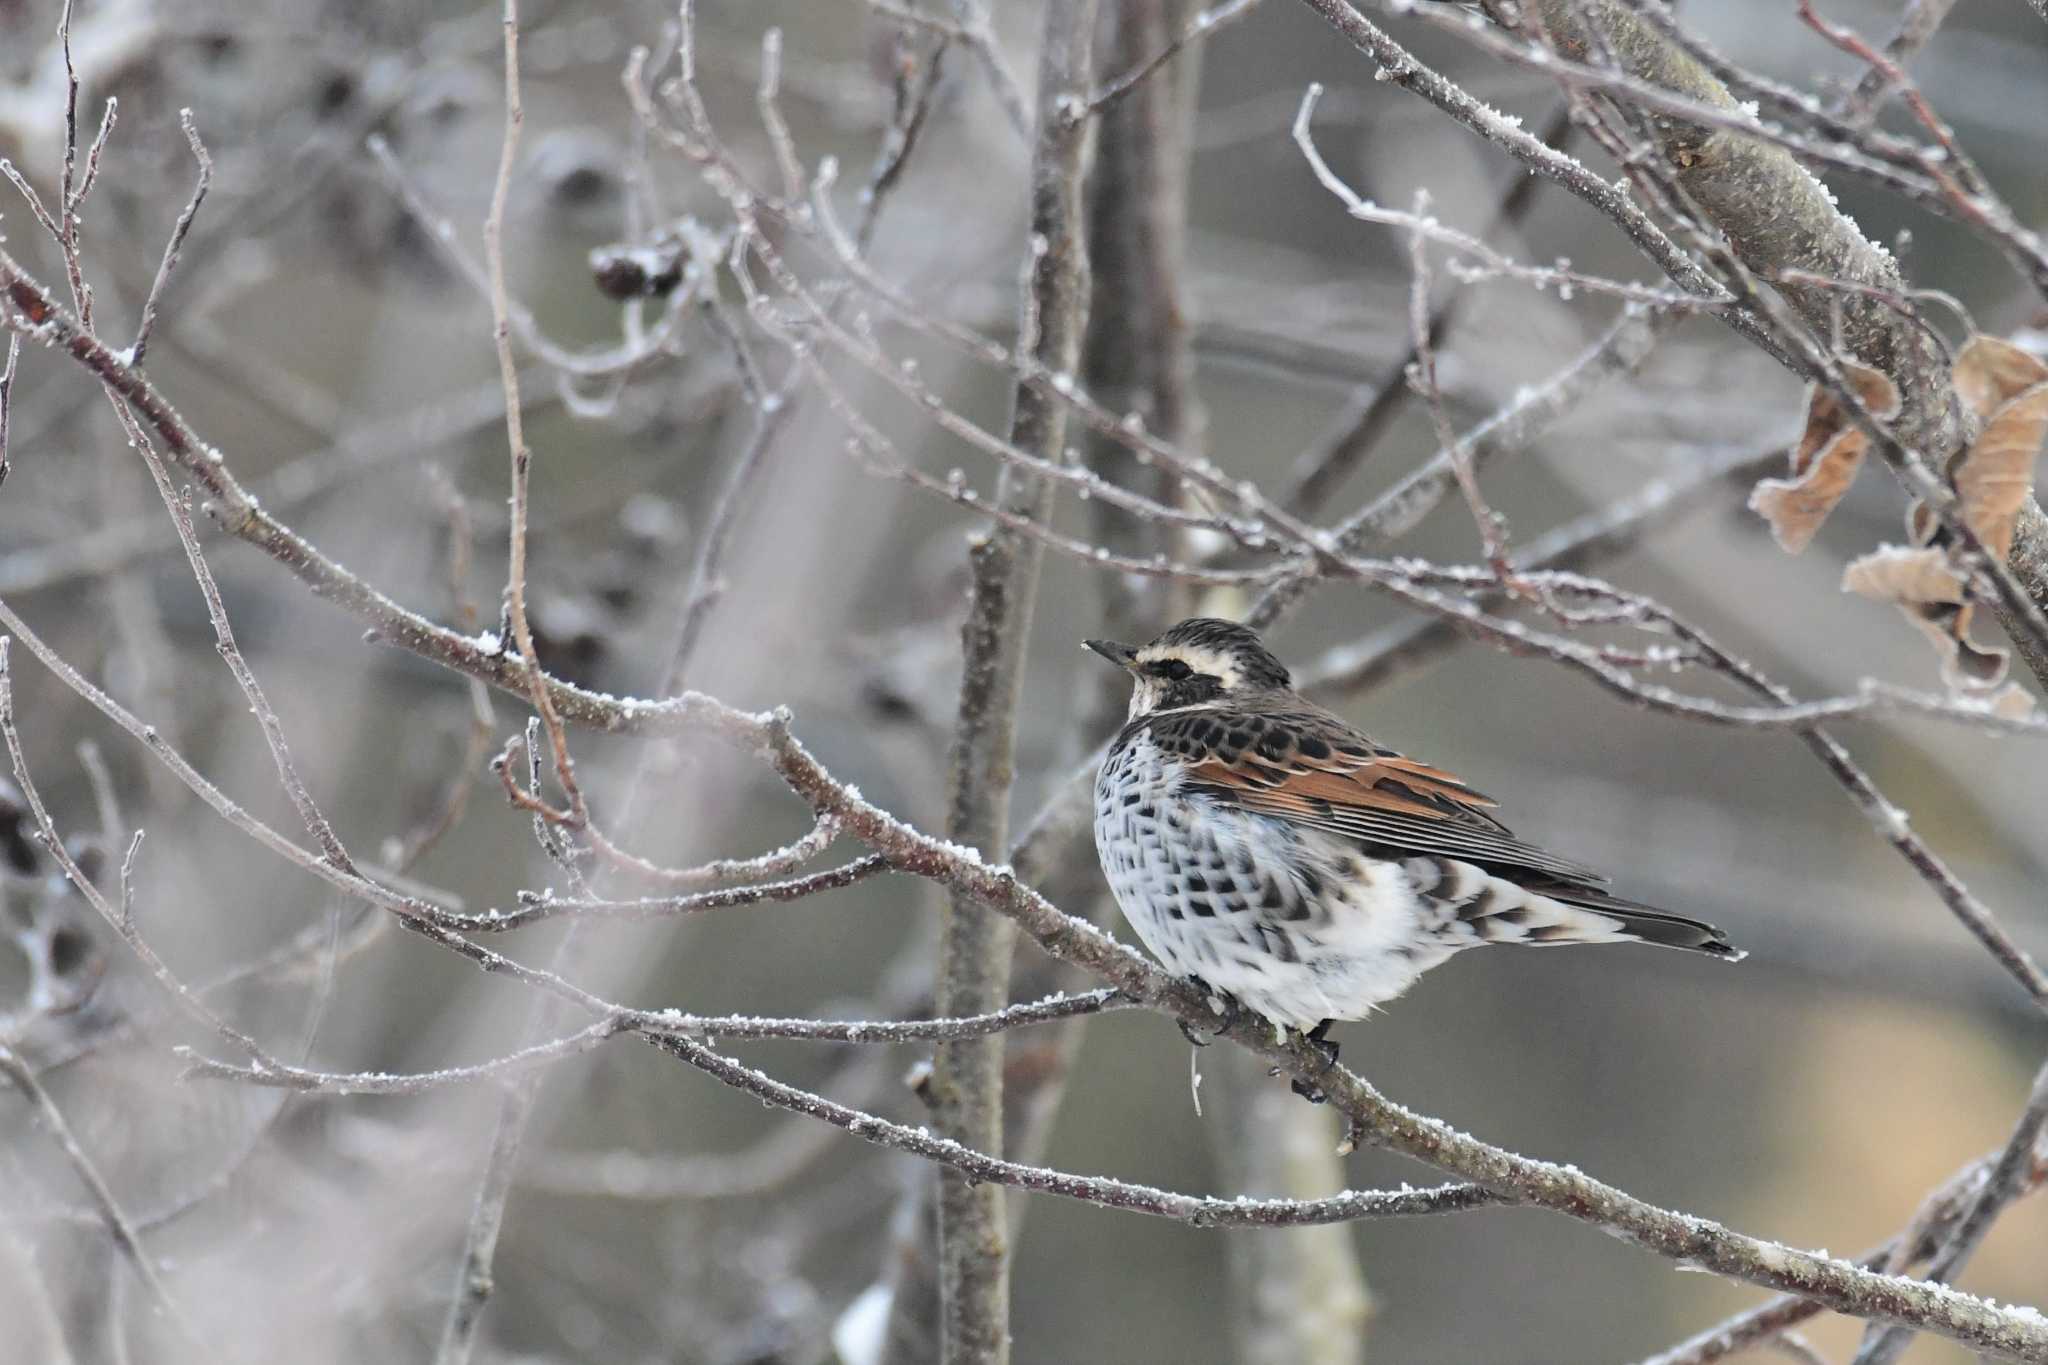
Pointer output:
x,y
1259,844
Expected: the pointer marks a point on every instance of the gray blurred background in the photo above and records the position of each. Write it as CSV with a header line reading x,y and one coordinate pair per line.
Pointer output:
x,y
1864,1052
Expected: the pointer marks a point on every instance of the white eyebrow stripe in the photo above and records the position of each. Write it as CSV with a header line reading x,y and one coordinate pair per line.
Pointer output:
x,y
1220,666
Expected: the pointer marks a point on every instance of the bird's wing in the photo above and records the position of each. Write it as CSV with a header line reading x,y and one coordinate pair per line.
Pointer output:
x,y
1309,767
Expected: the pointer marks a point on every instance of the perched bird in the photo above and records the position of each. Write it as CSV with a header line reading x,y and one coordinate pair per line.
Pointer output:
x,y
1263,847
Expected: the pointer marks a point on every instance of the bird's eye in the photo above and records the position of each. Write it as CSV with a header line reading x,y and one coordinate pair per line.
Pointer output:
x,y
1173,670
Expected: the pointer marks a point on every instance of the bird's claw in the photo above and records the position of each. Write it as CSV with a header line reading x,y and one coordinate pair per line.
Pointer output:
x,y
1319,1038
1224,1005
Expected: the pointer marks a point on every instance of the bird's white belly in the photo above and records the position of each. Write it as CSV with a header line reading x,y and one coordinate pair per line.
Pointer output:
x,y
1295,924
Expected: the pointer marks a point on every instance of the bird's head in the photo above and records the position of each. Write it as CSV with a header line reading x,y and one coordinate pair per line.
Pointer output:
x,y
1200,660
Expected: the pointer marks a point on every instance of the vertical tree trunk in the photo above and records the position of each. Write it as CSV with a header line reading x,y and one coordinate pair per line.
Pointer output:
x,y
975,943
1298,1296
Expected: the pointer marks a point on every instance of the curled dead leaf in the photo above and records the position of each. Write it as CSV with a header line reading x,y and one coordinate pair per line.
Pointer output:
x,y
1896,574
1825,460
1923,584
1825,416
1990,372
2006,389
1995,477
1796,507
1965,664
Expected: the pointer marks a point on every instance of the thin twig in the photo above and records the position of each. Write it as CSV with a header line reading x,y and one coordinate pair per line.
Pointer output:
x,y
475,1274
1619,351
1493,528
665,1024
774,410
109,1210
177,240
607,362
1370,663
970,28
1191,1209
1918,23
288,777
537,906
1207,22
515,420
774,863
1420,224
7,373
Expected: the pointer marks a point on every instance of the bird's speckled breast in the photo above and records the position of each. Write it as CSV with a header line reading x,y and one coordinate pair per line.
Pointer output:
x,y
1295,924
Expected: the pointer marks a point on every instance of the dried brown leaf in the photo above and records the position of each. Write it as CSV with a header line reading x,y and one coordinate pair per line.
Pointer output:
x,y
1928,589
1825,461
1965,664
1796,507
1996,475
1893,573
1825,417
1990,372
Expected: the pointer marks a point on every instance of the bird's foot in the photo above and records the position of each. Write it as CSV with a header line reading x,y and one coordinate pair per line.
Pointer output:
x,y
1226,1007
1319,1037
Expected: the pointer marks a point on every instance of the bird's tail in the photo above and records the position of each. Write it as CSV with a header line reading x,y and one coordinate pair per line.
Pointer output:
x,y
1666,930
1496,910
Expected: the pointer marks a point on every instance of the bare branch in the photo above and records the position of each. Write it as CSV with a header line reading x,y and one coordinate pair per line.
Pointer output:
x,y
7,373
1619,351
1357,431
1212,20
2006,1180
120,919
602,363
118,1226
970,28
1190,1209
662,1024
1614,529
177,241
1937,1213
537,906
915,88
1918,23
1419,224
1674,84
1493,527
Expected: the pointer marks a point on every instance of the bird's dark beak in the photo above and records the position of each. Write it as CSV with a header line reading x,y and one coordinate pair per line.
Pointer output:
x,y
1123,656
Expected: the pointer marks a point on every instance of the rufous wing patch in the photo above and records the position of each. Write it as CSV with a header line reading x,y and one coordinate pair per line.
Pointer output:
x,y
1408,786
